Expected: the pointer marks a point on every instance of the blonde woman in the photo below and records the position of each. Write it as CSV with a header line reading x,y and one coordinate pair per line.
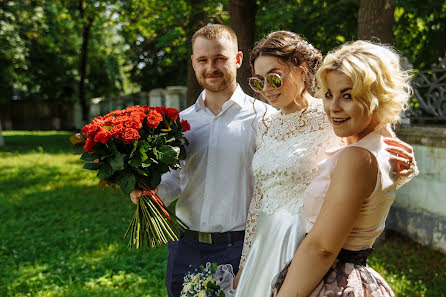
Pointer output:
x,y
364,90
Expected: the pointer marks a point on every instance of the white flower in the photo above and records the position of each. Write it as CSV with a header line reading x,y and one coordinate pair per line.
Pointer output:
x,y
196,278
186,287
202,293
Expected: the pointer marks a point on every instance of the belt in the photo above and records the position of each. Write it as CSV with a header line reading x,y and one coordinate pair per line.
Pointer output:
x,y
355,257
215,238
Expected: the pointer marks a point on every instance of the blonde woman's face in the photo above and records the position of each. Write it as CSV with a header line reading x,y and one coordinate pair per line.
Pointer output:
x,y
346,115
292,83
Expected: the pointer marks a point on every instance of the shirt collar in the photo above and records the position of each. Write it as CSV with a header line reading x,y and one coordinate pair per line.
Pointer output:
x,y
237,97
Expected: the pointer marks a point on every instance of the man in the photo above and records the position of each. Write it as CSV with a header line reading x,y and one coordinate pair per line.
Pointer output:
x,y
215,183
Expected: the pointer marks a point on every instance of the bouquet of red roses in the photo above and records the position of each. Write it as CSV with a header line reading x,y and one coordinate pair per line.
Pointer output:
x,y
132,148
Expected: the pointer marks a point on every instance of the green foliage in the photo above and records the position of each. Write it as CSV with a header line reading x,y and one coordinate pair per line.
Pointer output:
x,y
156,33
420,30
325,24
44,53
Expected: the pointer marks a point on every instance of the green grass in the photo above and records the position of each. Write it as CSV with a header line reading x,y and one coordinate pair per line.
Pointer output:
x,y
60,235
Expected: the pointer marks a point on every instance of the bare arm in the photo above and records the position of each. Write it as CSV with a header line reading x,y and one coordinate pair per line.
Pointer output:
x,y
354,179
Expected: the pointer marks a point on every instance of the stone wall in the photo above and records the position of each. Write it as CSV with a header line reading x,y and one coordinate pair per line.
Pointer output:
x,y
420,206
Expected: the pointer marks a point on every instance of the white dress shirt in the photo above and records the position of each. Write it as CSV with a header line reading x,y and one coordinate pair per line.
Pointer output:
x,y
215,184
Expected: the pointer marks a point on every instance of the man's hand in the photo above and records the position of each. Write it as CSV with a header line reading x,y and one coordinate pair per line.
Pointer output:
x,y
134,196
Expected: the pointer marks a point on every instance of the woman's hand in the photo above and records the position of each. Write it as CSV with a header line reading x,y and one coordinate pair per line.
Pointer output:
x,y
237,278
403,157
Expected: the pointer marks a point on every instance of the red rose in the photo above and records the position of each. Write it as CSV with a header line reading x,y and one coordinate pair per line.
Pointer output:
x,y
114,113
153,119
103,136
138,116
120,120
135,124
161,110
118,131
173,113
92,128
185,125
131,135
88,145
108,121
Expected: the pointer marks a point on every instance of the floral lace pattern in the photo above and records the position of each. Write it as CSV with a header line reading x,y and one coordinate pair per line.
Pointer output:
x,y
289,147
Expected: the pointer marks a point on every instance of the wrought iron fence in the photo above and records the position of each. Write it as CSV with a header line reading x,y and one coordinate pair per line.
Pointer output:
x,y
428,106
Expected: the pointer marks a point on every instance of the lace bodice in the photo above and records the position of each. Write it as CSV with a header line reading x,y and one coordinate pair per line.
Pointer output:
x,y
288,149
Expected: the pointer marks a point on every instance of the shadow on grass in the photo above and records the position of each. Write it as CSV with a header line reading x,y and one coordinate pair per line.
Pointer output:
x,y
36,141
72,236
412,269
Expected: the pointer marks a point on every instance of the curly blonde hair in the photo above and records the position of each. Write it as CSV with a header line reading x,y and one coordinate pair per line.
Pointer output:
x,y
379,82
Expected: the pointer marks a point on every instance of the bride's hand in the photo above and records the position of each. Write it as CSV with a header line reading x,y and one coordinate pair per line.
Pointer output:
x,y
237,278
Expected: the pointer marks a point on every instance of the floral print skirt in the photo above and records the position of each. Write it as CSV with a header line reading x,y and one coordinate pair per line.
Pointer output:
x,y
344,279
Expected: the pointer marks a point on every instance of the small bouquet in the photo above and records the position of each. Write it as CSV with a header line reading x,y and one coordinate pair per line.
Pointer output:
x,y
132,148
211,281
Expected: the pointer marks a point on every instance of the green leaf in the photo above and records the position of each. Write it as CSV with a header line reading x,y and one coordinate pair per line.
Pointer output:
x,y
100,149
135,161
168,154
92,166
88,157
127,182
154,179
112,147
135,146
117,161
105,171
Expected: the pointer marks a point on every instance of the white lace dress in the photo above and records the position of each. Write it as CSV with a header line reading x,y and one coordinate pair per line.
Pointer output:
x,y
289,147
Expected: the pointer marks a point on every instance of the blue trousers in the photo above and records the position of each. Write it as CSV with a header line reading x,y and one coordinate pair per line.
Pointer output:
x,y
186,255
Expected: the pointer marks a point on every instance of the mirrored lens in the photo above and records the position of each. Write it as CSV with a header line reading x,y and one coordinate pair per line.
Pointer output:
x,y
274,80
256,84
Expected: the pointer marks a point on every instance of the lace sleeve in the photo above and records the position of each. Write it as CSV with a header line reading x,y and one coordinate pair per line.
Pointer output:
x,y
254,209
256,202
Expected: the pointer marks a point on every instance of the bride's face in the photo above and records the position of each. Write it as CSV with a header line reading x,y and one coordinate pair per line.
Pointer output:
x,y
292,83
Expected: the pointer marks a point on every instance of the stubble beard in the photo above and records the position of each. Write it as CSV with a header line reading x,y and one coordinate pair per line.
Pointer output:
x,y
227,80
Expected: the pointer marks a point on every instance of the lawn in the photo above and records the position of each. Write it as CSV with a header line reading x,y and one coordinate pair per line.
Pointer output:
x,y
62,236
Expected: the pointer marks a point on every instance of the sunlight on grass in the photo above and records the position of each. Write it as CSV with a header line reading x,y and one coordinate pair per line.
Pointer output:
x,y
62,236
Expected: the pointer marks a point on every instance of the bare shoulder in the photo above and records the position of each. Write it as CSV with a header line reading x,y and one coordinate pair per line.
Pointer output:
x,y
358,168
358,161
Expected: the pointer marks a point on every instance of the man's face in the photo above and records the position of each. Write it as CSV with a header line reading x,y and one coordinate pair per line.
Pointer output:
x,y
215,63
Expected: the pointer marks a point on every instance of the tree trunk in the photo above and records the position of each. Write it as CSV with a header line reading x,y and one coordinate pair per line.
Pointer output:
x,y
243,17
86,28
375,20
2,142
196,21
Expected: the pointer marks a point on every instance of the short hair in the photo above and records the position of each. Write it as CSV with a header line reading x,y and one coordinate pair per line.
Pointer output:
x,y
214,32
379,82
291,49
